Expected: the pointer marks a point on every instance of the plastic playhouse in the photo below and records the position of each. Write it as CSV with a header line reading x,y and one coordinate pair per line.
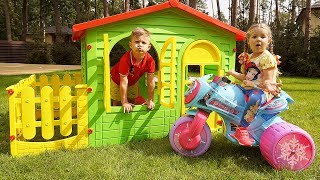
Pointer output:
x,y
49,113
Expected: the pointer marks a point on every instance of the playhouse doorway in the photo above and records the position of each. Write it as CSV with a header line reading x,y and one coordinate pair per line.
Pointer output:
x,y
200,57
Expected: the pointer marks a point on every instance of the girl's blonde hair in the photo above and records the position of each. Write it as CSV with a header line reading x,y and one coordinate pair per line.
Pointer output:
x,y
259,25
250,32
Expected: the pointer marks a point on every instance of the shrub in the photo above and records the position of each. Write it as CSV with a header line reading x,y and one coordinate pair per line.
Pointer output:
x,y
65,53
38,53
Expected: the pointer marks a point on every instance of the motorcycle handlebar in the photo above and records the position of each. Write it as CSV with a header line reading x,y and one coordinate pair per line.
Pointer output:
x,y
225,79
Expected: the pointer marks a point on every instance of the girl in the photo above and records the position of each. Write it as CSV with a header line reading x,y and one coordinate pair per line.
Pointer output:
x,y
259,38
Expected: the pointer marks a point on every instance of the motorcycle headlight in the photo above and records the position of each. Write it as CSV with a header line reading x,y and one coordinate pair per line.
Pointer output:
x,y
192,91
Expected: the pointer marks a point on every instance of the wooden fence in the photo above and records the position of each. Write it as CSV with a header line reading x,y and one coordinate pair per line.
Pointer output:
x,y
48,114
13,51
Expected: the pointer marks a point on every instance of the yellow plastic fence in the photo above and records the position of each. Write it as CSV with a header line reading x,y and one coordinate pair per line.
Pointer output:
x,y
48,114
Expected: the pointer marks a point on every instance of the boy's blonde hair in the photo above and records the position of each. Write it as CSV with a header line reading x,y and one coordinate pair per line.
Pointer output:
x,y
140,32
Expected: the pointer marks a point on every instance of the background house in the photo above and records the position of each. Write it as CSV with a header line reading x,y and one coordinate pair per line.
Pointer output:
x,y
50,35
314,21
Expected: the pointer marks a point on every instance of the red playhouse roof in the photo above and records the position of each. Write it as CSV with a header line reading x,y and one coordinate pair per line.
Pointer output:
x,y
80,29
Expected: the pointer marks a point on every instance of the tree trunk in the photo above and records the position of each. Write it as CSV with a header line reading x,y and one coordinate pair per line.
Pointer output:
x,y
126,5
186,2
42,21
307,27
87,7
95,9
277,18
218,9
234,13
105,8
24,20
293,11
270,13
193,4
57,21
252,12
8,23
257,16
78,12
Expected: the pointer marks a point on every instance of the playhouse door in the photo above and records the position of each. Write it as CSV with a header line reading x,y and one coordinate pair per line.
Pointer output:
x,y
167,73
201,57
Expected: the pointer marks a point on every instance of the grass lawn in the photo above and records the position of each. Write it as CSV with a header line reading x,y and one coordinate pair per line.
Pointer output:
x,y
155,159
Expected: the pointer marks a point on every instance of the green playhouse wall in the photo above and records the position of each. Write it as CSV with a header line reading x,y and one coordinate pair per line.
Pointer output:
x,y
117,127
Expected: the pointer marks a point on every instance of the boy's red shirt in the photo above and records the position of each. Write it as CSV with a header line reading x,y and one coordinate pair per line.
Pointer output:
x,y
147,65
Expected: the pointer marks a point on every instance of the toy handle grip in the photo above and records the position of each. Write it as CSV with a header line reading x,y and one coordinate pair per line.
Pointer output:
x,y
225,79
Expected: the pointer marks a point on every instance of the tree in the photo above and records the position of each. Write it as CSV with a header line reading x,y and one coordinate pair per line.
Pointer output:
x,y
252,12
126,5
263,11
234,13
42,21
143,4
186,2
277,18
293,11
57,21
105,8
218,9
87,9
307,25
78,12
8,23
24,20
193,4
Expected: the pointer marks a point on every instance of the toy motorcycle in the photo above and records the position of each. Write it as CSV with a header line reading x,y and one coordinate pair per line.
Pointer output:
x,y
283,145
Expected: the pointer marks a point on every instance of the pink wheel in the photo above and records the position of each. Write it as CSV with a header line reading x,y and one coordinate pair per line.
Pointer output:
x,y
181,125
286,146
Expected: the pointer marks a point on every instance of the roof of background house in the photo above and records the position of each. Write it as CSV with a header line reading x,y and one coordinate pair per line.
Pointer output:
x,y
314,7
64,30
52,30
80,29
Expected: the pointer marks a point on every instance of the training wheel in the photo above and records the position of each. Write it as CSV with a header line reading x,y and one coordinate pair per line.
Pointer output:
x,y
179,128
286,146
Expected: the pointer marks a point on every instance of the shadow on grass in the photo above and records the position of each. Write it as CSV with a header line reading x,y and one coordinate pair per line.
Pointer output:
x,y
4,133
221,152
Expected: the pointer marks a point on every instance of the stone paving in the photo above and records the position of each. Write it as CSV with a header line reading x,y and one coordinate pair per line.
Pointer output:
x,y
20,68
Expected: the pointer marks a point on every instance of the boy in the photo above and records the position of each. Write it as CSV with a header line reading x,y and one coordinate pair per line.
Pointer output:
x,y
127,72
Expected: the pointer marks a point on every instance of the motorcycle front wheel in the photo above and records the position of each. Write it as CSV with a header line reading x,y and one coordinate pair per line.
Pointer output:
x,y
181,125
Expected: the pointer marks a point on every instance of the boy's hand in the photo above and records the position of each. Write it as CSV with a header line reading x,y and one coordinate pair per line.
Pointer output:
x,y
127,107
150,104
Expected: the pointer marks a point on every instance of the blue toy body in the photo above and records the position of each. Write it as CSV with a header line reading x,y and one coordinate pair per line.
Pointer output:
x,y
228,101
282,144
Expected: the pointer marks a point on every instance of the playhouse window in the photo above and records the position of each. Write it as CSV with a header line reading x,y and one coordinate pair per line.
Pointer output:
x,y
193,71
121,48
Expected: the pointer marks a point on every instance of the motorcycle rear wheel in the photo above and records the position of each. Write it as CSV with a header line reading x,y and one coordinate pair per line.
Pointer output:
x,y
286,146
179,126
